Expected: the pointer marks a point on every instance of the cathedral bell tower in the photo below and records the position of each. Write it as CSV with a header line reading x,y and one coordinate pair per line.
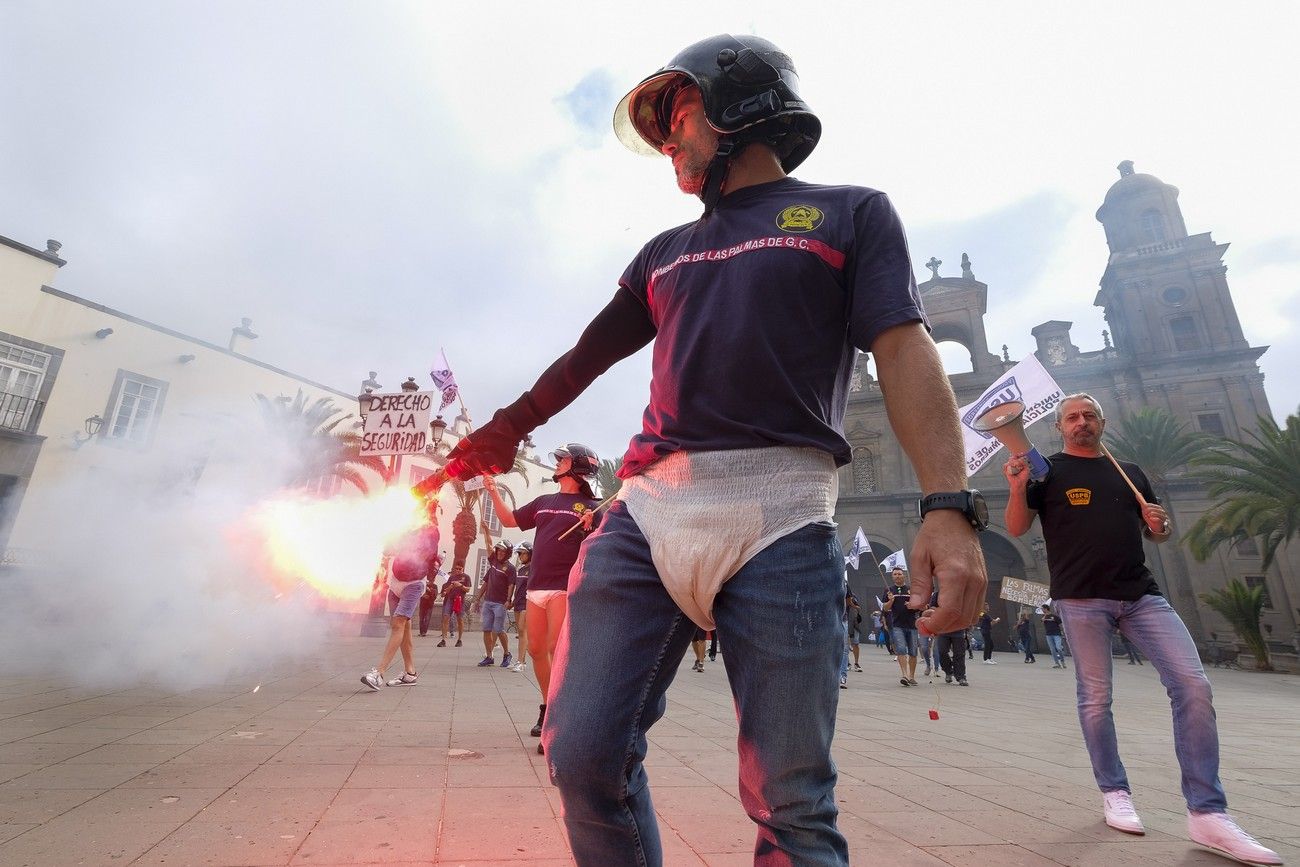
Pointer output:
x,y
1165,292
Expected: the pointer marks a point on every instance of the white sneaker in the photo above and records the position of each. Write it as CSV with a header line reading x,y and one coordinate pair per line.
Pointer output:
x,y
990,662
407,679
1120,815
372,679
1217,831
518,667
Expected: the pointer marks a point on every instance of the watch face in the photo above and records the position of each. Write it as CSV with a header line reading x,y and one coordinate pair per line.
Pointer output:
x,y
980,508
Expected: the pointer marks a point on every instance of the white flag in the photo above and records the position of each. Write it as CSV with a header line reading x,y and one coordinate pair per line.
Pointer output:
x,y
859,547
444,379
1028,382
896,560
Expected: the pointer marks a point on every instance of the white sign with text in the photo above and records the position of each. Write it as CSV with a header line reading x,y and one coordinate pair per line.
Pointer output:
x,y
396,424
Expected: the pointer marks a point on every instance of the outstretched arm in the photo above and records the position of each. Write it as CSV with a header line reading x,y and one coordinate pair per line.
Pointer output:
x,y
923,413
505,514
1019,516
619,330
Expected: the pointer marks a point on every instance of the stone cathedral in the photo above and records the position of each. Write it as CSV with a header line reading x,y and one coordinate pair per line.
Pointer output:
x,y
1174,341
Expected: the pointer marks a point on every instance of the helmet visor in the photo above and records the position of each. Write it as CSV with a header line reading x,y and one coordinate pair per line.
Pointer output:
x,y
642,117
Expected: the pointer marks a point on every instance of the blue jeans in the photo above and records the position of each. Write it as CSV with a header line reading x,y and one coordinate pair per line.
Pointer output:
x,y
1056,644
1155,628
904,641
780,618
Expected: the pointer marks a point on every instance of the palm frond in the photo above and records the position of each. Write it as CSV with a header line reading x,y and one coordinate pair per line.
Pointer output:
x,y
1257,485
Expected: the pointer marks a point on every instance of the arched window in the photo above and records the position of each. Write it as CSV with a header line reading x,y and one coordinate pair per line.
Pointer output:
x,y
1151,227
864,471
955,356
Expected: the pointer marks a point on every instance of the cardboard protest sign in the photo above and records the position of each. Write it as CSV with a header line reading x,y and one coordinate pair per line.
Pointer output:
x,y
396,424
1024,592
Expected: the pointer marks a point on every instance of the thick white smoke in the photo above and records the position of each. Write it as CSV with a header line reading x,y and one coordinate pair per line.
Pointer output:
x,y
145,576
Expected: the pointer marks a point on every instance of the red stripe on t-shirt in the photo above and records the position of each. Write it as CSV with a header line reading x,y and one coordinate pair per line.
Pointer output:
x,y
827,253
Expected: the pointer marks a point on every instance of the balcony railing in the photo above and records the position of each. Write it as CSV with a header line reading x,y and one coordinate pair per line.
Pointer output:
x,y
20,413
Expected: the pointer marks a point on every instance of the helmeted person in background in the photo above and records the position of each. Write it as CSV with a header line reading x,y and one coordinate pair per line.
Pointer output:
x,y
757,311
414,561
495,590
1100,583
519,602
561,522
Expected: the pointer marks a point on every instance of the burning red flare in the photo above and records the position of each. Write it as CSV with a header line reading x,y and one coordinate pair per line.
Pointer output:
x,y
333,545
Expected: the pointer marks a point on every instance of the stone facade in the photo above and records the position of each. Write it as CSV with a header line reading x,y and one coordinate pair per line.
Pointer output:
x,y
1178,344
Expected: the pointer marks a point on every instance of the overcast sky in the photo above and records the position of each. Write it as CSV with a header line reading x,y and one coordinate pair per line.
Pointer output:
x,y
372,181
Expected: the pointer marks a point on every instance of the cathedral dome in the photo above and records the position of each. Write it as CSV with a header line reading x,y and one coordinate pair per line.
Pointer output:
x,y
1140,210
1133,183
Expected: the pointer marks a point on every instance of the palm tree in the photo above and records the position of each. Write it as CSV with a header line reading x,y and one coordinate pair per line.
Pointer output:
x,y
312,431
1258,482
1159,443
607,476
466,525
1241,607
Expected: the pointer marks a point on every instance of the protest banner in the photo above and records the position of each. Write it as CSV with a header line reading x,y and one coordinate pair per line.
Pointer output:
x,y
1028,382
396,424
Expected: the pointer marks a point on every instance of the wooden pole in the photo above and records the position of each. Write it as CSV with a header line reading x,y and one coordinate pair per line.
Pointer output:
x,y
1132,487
596,508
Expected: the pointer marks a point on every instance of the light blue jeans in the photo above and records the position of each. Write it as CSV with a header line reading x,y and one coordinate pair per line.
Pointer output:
x,y
1156,630
1056,644
780,618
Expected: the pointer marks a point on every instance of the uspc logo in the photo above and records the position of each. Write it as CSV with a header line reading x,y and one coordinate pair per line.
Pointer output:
x,y
1079,496
1002,393
799,218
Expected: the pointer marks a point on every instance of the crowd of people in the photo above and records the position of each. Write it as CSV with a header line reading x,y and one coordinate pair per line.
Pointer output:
x,y
757,312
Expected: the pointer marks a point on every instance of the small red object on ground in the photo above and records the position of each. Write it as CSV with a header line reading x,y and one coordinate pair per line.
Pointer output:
x,y
934,714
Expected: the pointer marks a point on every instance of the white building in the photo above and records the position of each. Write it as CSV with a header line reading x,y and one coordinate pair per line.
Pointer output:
x,y
84,387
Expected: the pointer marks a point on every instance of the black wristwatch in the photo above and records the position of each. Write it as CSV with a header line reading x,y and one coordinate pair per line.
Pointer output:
x,y
969,503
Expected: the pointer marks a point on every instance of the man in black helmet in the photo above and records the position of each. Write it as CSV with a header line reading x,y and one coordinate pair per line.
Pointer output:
x,y
757,311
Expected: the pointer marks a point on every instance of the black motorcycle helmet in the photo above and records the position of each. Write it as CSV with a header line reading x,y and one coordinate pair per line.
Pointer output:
x,y
750,92
583,467
585,462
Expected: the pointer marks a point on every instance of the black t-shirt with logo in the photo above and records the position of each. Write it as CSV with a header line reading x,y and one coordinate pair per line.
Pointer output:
x,y
497,581
553,515
1051,624
1092,525
759,310
901,617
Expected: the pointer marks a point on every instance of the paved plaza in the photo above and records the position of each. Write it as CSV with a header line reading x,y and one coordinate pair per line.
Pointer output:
x,y
312,769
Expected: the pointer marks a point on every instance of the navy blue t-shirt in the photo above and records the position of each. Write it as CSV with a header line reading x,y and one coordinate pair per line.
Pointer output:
x,y
497,581
760,309
553,515
522,571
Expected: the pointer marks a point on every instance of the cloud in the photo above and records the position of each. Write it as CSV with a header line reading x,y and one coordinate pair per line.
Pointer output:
x,y
590,104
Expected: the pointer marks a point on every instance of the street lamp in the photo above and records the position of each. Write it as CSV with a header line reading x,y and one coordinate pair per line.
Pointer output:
x,y
92,426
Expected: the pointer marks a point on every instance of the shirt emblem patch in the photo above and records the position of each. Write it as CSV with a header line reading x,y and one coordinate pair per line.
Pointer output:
x,y
1079,496
799,218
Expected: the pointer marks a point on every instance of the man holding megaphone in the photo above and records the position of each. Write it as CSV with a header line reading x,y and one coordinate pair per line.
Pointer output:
x,y
1094,513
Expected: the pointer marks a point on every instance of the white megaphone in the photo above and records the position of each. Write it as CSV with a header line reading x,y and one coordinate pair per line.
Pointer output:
x,y
1005,421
